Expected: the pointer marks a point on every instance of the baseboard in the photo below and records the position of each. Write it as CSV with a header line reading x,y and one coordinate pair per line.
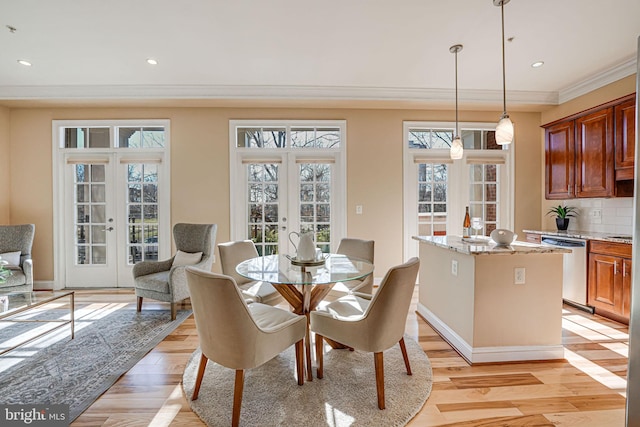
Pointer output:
x,y
474,355
44,285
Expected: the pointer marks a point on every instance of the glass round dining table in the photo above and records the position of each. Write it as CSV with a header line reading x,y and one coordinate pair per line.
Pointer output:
x,y
304,286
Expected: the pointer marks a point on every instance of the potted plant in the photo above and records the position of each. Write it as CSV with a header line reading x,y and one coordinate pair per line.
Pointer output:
x,y
562,213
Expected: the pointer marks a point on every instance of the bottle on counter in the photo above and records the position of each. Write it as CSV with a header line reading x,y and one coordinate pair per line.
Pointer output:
x,y
466,224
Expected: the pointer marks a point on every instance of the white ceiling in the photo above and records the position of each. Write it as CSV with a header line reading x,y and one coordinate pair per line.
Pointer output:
x,y
297,50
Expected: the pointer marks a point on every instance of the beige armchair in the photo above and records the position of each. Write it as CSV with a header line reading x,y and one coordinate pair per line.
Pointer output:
x,y
232,254
15,244
166,280
238,335
357,248
370,323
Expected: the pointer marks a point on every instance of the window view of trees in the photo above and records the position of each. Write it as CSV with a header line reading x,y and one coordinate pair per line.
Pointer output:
x,y
264,183
142,210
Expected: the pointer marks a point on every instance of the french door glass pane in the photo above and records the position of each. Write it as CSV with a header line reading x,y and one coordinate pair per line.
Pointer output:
x,y
142,212
90,207
432,199
315,202
483,196
263,206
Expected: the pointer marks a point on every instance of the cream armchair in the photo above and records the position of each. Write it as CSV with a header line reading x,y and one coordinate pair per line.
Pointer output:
x,y
15,247
370,323
166,280
357,248
232,254
238,335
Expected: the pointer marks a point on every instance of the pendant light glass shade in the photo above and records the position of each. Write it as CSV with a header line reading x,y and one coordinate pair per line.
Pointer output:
x,y
504,129
456,149
456,145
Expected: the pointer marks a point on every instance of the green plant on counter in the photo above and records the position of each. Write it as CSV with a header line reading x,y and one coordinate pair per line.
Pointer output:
x,y
563,211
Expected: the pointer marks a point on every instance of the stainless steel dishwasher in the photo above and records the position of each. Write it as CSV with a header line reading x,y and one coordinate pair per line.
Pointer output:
x,y
574,271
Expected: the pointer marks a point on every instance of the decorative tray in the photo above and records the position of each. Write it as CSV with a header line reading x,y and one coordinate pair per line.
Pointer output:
x,y
476,240
312,263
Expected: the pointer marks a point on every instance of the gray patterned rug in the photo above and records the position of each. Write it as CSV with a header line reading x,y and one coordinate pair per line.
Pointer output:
x,y
110,338
346,396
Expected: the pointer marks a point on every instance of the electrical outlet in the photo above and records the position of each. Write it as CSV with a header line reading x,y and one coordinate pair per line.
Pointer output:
x,y
358,209
454,267
519,275
596,216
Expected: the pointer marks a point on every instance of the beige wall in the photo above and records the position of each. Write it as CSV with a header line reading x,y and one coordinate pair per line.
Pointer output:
x,y
5,161
605,94
200,171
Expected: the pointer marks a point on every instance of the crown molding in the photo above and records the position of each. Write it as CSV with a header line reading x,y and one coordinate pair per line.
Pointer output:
x,y
335,93
596,81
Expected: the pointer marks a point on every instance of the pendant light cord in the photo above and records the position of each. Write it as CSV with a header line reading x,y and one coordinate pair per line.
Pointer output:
x,y
457,126
504,84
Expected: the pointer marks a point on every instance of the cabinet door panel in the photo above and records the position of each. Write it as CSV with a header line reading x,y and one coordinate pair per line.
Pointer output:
x,y
625,115
560,161
603,291
594,154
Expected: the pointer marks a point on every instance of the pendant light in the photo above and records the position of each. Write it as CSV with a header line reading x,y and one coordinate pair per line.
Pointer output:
x,y
456,144
504,129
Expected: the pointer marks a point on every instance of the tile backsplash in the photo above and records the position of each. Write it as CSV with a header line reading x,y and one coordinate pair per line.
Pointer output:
x,y
616,215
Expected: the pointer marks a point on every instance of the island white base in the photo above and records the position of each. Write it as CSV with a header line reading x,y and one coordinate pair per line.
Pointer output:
x,y
490,354
477,302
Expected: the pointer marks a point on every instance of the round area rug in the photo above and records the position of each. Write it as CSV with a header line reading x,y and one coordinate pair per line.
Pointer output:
x,y
346,396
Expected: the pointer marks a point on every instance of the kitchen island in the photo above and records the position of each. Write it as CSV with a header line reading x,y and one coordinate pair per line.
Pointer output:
x,y
493,303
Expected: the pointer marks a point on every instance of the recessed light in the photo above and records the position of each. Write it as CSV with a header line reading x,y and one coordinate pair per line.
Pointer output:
x,y
537,64
152,61
24,62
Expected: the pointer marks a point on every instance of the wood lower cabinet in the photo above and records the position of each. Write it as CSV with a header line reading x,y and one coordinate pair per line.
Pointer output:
x,y
609,289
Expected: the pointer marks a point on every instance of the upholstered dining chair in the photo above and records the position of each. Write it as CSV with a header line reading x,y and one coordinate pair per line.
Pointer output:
x,y
232,254
166,280
370,323
357,248
238,335
15,249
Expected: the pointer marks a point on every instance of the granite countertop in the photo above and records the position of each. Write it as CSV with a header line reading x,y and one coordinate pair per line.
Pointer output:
x,y
487,246
586,235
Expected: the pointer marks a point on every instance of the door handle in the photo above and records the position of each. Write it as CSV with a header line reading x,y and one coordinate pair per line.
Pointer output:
x,y
108,229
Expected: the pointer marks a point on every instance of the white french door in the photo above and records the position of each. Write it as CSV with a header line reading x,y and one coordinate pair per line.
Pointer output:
x,y
276,190
111,200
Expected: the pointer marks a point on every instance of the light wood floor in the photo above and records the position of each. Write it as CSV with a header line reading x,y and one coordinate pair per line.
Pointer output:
x,y
585,390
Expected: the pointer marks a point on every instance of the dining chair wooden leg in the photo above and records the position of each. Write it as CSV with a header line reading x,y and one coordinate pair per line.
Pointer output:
x,y
173,310
319,355
405,356
379,364
201,368
139,305
300,361
237,398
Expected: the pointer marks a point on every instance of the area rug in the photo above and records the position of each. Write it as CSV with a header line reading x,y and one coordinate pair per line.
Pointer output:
x,y
110,339
346,396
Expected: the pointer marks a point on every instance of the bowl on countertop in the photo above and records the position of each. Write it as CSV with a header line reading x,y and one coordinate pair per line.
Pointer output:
x,y
503,236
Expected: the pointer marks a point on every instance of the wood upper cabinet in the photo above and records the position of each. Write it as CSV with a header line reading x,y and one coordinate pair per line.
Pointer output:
x,y
609,287
625,137
591,154
560,160
594,154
